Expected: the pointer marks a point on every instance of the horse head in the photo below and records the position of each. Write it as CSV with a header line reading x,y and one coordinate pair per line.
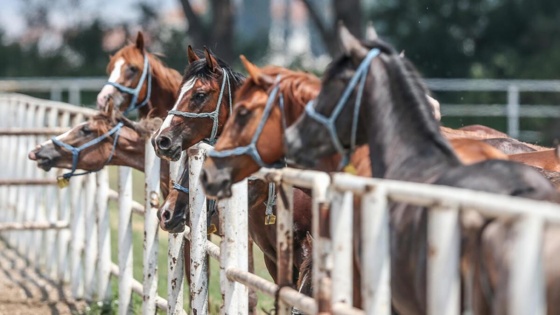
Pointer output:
x,y
202,107
252,136
106,138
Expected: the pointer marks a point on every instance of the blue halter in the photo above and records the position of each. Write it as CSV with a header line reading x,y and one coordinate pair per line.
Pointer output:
x,y
251,148
136,91
329,122
76,151
214,115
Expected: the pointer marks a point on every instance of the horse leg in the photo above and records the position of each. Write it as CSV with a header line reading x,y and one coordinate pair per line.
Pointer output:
x,y
253,299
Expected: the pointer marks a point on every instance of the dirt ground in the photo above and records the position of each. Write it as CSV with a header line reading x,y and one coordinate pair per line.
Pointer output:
x,y
23,290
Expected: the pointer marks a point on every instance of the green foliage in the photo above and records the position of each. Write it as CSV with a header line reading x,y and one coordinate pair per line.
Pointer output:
x,y
474,38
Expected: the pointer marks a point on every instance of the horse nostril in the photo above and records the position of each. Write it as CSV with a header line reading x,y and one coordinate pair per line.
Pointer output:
x,y
166,215
163,142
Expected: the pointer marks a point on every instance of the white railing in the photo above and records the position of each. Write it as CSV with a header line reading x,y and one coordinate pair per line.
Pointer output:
x,y
66,232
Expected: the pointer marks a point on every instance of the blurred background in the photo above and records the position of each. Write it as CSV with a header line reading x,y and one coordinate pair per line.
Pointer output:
x,y
510,47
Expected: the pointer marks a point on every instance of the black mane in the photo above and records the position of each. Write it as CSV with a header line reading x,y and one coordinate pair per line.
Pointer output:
x,y
199,70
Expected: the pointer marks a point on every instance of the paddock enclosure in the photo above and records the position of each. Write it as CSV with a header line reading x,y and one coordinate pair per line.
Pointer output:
x,y
65,232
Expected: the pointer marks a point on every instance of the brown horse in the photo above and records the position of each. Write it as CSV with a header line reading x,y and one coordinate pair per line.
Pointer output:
x,y
406,143
205,80
139,80
202,107
128,150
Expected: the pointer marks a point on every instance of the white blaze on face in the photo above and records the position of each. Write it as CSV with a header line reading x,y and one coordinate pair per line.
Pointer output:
x,y
109,89
64,135
184,89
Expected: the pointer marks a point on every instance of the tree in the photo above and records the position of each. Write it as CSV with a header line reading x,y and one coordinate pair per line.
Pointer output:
x,y
347,11
216,32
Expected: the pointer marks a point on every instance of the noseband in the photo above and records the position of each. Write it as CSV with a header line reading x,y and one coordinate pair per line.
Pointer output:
x,y
135,92
214,115
65,178
329,122
251,148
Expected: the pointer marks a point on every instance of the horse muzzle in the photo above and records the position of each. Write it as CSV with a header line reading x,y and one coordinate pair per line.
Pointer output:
x,y
216,182
44,160
166,148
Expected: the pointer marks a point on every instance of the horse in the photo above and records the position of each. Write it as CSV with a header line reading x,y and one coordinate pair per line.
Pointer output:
x,y
206,92
138,80
107,138
394,118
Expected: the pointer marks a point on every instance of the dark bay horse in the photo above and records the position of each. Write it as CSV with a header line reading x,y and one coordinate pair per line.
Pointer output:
x,y
139,80
405,142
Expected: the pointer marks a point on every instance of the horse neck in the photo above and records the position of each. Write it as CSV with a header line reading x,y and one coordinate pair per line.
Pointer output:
x,y
165,84
404,138
131,155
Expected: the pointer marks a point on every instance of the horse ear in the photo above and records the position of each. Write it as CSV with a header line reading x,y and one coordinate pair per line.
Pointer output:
x,y
140,41
351,46
191,55
211,62
371,34
401,54
255,73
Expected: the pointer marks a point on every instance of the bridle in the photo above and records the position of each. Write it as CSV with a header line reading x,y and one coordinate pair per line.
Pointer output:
x,y
65,178
329,122
251,148
214,115
135,92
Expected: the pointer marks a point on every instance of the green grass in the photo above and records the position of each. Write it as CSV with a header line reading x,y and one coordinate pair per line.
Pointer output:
x,y
265,302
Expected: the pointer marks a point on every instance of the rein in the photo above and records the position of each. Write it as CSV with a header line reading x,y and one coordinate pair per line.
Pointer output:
x,y
214,115
329,122
251,148
135,92
64,180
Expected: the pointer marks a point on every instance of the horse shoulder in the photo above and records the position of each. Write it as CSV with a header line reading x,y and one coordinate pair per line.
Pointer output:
x,y
471,151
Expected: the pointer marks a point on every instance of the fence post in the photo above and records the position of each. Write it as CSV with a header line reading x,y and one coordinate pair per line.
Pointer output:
x,y
104,237
376,259
284,242
125,240
198,221
74,96
90,237
321,242
342,206
527,288
513,111
151,227
444,246
175,258
77,239
233,249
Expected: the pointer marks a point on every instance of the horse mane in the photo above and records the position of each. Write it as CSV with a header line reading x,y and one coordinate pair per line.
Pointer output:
x,y
297,88
199,69
103,122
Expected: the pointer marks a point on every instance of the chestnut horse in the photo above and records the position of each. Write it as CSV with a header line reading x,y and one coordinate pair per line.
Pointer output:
x,y
395,120
204,103
139,80
125,148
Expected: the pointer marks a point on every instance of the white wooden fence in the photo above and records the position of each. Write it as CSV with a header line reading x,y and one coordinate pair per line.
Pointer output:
x,y
66,232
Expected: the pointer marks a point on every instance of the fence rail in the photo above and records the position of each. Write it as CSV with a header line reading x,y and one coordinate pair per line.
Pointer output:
x,y
66,232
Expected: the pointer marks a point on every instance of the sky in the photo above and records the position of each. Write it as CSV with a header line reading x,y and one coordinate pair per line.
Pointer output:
x,y
111,11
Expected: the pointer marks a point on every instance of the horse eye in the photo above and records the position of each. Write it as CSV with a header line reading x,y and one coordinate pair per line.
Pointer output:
x,y
86,130
199,96
133,69
242,115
